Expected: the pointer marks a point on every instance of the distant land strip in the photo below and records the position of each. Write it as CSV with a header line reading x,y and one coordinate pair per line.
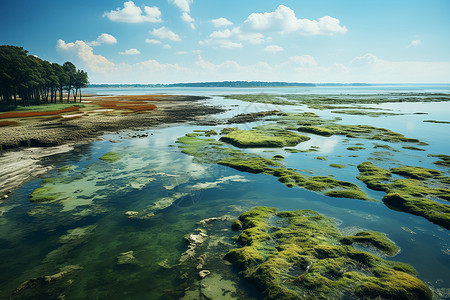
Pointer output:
x,y
232,84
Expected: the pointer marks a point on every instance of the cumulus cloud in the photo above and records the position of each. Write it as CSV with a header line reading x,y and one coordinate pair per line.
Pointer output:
x,y
82,52
165,33
130,13
104,38
221,43
131,51
185,7
303,61
414,43
273,48
283,20
221,22
233,38
152,41
181,52
167,46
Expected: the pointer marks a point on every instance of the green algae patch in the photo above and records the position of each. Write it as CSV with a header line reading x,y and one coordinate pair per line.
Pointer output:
x,y
413,148
364,113
110,157
414,194
212,151
351,194
321,158
355,148
44,194
415,172
436,121
316,130
444,160
376,239
337,166
249,164
302,255
270,138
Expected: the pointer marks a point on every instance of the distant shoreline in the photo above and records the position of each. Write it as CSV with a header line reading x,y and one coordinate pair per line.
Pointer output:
x,y
231,84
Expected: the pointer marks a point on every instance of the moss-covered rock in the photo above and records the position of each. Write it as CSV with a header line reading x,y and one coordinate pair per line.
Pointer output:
x,y
302,255
44,194
256,138
444,160
415,172
316,130
352,194
213,151
413,194
337,166
110,157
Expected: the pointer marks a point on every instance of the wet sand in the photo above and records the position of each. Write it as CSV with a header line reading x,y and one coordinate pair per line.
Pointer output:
x,y
23,147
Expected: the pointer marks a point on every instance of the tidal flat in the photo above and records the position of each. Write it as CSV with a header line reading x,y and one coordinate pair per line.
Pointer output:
x,y
266,200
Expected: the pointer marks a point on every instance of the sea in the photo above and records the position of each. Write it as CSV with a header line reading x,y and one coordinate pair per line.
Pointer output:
x,y
95,249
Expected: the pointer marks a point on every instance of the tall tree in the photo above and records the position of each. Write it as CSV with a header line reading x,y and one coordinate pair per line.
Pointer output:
x,y
71,72
81,81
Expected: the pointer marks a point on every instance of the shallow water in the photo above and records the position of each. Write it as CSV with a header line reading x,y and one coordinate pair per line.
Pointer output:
x,y
154,176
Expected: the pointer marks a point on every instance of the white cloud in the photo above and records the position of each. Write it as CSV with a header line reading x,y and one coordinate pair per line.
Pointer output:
x,y
104,38
221,22
181,52
82,52
414,43
273,48
183,5
130,13
187,18
303,61
167,46
221,43
232,38
131,51
151,41
283,20
166,33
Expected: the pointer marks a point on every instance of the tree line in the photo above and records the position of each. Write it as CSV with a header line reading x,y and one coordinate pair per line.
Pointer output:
x,y
28,80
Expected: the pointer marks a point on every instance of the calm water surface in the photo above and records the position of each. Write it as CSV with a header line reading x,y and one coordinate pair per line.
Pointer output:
x,y
38,239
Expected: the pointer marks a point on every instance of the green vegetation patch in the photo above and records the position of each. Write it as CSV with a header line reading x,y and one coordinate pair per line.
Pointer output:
x,y
302,255
44,194
413,148
337,166
268,138
110,157
208,150
444,159
364,113
46,107
316,130
415,172
438,122
351,194
355,148
413,194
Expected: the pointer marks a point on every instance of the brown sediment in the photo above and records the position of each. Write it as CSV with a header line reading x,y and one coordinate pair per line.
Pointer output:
x,y
36,130
8,123
20,166
24,114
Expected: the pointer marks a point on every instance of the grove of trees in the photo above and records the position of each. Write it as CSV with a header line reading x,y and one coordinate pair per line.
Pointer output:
x,y
28,80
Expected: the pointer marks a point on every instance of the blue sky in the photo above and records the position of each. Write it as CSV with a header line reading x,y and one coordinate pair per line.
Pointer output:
x,y
165,41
